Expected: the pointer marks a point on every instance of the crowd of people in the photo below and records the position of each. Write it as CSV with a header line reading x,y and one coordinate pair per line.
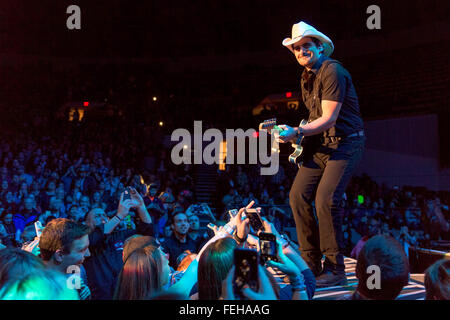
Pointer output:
x,y
127,235
415,216
72,260
111,203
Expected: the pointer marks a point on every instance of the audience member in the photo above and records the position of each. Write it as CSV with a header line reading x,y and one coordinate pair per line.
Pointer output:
x,y
106,243
145,272
41,284
15,263
392,269
64,244
437,281
179,241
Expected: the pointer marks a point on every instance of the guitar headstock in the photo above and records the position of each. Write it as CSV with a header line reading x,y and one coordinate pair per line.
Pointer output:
x,y
268,124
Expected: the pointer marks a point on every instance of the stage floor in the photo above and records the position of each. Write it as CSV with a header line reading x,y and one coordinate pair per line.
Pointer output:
x,y
413,291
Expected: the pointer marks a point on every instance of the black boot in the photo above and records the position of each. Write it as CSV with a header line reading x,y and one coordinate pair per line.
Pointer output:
x,y
330,279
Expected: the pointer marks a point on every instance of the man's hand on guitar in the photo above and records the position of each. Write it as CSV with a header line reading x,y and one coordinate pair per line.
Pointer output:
x,y
288,133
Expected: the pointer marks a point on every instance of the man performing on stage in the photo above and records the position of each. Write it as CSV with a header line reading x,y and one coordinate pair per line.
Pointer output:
x,y
334,143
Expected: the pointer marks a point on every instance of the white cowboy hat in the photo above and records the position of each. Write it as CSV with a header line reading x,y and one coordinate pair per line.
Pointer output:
x,y
301,30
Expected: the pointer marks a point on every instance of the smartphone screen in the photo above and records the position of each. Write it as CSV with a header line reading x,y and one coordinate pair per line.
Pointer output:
x,y
38,227
233,212
268,247
246,271
126,194
255,220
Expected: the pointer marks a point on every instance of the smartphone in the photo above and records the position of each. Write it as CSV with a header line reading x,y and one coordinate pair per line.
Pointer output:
x,y
255,219
38,227
268,247
127,194
246,263
233,212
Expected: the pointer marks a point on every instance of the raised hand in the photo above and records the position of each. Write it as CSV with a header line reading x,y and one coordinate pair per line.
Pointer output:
x,y
242,226
265,288
136,198
270,228
288,133
253,242
124,206
215,228
285,264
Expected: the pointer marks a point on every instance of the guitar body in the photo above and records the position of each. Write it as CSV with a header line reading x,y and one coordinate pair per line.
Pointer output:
x,y
296,156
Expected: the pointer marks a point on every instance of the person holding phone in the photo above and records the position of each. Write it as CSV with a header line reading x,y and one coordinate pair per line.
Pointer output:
x,y
288,262
106,242
155,207
287,254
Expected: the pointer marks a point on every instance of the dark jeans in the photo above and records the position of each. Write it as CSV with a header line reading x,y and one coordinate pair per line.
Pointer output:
x,y
323,178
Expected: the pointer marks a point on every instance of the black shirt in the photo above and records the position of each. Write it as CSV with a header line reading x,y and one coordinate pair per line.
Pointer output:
x,y
155,214
175,247
329,80
104,264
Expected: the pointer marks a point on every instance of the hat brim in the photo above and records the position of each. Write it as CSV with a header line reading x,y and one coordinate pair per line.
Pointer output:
x,y
328,46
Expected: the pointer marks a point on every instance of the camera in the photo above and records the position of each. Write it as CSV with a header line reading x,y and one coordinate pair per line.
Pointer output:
x,y
255,219
246,263
268,247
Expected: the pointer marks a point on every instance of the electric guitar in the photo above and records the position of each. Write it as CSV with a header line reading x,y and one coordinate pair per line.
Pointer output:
x,y
271,127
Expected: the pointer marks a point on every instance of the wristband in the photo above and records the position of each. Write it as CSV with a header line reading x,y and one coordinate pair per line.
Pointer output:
x,y
228,229
284,243
239,240
118,218
298,283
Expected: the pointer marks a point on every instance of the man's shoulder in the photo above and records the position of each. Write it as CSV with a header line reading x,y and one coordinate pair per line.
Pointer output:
x,y
172,241
120,235
169,241
332,66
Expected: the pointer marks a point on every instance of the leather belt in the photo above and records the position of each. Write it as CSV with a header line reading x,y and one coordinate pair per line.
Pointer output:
x,y
336,139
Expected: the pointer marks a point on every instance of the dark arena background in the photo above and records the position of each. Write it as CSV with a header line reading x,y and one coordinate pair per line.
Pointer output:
x,y
89,100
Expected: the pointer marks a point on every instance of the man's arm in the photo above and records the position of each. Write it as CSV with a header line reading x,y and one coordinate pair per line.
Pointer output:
x,y
111,224
97,236
330,112
122,212
139,204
